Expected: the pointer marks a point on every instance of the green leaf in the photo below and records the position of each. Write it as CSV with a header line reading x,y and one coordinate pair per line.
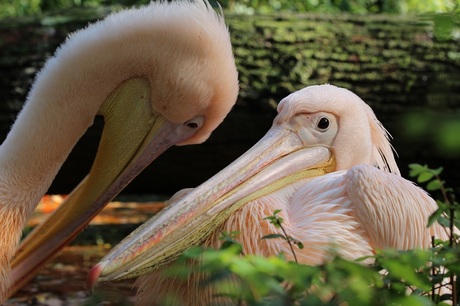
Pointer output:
x,y
435,216
272,236
434,185
444,221
437,171
227,244
412,300
416,169
425,177
402,270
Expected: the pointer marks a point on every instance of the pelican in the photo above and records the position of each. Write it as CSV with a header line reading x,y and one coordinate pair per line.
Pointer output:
x,y
326,163
160,75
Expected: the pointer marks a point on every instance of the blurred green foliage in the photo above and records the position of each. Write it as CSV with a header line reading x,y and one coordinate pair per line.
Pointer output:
x,y
441,131
16,8
350,6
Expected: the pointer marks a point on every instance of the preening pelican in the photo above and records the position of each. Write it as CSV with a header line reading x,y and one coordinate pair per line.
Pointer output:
x,y
326,163
160,75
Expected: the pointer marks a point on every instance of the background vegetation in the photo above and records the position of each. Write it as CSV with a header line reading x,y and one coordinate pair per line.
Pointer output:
x,y
16,8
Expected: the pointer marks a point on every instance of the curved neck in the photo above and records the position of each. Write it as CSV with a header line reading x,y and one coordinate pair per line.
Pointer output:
x,y
65,97
36,147
30,157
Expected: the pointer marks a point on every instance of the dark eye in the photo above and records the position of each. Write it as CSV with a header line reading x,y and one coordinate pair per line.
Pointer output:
x,y
191,124
323,123
194,123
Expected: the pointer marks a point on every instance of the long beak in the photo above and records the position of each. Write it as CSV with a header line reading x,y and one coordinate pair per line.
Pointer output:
x,y
133,136
277,160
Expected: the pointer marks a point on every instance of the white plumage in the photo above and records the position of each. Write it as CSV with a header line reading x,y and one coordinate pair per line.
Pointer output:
x,y
326,163
160,75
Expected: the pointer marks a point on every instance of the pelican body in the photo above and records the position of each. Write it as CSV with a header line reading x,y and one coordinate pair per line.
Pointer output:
x,y
160,75
326,163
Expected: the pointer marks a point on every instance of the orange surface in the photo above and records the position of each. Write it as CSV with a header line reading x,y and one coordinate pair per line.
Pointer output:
x,y
113,213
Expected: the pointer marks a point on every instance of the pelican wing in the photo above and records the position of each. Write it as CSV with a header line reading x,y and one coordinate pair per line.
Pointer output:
x,y
392,210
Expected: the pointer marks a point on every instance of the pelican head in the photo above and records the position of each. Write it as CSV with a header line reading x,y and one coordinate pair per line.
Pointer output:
x,y
319,129
160,75
340,119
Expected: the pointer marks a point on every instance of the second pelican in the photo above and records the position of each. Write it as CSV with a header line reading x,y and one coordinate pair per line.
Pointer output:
x,y
326,163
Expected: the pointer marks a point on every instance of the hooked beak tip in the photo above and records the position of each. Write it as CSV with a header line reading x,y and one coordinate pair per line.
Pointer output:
x,y
93,276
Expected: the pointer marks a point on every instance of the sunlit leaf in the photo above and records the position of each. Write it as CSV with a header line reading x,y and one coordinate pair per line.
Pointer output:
x,y
406,272
437,171
416,169
434,185
412,300
424,177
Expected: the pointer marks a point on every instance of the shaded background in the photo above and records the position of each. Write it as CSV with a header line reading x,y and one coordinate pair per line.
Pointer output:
x,y
402,57
406,67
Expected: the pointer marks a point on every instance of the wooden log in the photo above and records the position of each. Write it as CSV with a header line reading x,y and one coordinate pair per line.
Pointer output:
x,y
396,64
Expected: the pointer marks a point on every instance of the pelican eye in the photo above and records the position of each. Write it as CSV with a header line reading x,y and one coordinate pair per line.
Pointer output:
x,y
323,123
192,125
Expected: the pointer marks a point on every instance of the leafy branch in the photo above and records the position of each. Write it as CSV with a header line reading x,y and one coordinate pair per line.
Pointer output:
x,y
447,206
277,221
229,240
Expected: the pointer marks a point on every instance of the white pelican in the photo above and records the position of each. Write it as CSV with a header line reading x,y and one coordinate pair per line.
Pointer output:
x,y
326,163
160,75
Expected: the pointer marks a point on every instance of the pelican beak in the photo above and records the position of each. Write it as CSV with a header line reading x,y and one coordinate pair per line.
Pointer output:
x,y
133,136
268,166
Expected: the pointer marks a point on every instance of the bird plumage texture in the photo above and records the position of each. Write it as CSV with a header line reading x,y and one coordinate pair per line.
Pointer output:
x,y
183,51
362,206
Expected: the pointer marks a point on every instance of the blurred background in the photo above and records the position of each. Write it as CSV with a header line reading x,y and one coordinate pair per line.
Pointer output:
x,y
36,7
401,57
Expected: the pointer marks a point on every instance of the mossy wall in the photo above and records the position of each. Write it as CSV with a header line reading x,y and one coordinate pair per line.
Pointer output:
x,y
391,62
395,64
